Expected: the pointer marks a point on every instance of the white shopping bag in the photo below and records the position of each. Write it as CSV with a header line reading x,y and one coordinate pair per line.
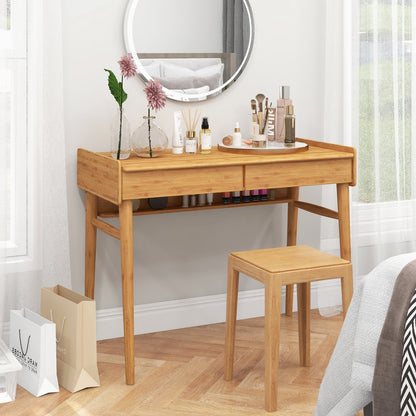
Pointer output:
x,y
33,343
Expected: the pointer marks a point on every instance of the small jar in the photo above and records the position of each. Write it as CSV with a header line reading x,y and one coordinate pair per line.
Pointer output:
x,y
259,141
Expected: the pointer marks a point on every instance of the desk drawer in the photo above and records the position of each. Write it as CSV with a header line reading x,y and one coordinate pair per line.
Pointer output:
x,y
151,184
278,175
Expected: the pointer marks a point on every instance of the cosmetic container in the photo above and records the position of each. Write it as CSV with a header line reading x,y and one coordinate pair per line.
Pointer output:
x,y
263,194
259,141
237,135
202,200
158,203
245,196
136,204
205,139
282,103
185,201
254,130
255,195
226,198
210,198
235,197
289,127
191,145
178,136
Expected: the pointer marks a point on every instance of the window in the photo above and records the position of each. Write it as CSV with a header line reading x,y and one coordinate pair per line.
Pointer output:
x,y
14,183
386,92
384,201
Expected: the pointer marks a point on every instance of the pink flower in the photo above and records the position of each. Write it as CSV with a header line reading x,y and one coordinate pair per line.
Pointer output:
x,y
156,98
127,66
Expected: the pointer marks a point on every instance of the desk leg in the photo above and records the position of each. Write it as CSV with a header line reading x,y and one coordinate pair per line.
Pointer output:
x,y
126,251
343,196
292,228
90,243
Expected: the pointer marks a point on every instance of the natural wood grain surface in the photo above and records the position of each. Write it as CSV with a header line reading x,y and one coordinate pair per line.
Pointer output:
x,y
116,180
90,243
180,373
120,181
276,267
127,284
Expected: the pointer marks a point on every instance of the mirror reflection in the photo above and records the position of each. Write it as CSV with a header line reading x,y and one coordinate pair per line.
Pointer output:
x,y
196,48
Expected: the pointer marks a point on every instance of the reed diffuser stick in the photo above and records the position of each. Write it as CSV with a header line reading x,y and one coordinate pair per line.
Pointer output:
x,y
191,121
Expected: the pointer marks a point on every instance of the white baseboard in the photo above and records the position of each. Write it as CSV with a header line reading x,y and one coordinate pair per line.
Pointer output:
x,y
184,313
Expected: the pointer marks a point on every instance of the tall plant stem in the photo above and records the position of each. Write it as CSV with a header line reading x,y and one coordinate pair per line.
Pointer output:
x,y
121,118
148,129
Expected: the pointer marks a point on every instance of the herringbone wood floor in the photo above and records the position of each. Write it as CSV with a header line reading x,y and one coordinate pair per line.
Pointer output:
x,y
180,373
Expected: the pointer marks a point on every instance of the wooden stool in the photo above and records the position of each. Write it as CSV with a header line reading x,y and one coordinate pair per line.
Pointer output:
x,y
276,267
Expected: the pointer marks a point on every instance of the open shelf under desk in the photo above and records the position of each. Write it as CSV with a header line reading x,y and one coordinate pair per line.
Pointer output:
x,y
149,211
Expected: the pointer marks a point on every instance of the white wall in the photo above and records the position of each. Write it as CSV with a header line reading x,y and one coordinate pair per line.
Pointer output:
x,y
184,255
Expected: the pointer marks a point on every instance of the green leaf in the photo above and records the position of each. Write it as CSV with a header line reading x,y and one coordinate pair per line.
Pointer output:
x,y
116,88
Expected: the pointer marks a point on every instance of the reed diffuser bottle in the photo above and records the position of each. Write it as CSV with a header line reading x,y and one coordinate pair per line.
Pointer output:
x,y
191,145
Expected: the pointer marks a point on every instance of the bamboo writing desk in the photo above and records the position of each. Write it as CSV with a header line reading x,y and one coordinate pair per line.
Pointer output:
x,y
111,186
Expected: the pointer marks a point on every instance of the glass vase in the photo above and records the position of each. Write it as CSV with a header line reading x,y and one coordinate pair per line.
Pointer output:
x,y
120,136
149,140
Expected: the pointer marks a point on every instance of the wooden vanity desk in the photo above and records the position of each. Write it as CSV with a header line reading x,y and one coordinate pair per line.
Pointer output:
x,y
112,185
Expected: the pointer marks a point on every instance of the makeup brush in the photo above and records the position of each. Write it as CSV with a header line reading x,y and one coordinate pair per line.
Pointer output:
x,y
260,98
266,120
254,109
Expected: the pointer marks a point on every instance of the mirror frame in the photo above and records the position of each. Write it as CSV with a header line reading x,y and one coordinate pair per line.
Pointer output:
x,y
174,95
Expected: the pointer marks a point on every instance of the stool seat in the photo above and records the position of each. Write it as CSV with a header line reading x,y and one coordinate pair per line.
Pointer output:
x,y
283,259
276,267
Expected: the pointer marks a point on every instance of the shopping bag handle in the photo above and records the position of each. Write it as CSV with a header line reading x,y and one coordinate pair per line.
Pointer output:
x,y
21,346
58,340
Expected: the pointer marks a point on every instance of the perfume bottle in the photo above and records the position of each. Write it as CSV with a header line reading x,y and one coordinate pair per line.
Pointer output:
x,y
282,103
205,139
289,127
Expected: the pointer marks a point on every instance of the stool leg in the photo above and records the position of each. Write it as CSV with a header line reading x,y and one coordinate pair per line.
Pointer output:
x,y
273,290
304,323
232,298
347,289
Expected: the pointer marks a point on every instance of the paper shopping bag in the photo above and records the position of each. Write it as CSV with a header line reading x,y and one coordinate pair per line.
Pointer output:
x,y
76,345
33,343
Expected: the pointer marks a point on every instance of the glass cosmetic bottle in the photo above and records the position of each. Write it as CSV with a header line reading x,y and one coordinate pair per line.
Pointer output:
x,y
289,127
191,145
281,105
205,139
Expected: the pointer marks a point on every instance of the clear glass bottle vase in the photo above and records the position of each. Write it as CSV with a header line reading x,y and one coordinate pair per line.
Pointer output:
x,y
120,135
149,140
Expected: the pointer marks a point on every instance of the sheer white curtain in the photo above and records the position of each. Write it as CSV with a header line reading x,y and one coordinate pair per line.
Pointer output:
x,y
371,104
47,260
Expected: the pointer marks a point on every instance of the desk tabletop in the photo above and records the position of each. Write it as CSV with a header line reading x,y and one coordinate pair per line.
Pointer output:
x,y
317,151
169,174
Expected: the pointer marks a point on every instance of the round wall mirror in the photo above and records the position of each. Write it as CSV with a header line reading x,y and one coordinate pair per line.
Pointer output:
x,y
196,48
